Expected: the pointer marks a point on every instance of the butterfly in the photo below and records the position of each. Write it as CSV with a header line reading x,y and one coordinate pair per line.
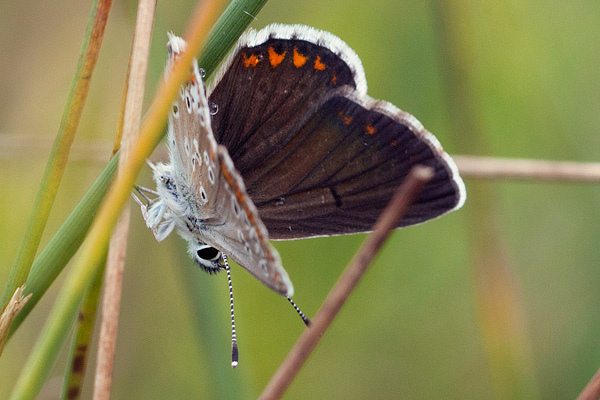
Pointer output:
x,y
286,144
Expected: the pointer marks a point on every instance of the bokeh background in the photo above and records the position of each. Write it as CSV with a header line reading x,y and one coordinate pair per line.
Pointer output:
x,y
497,300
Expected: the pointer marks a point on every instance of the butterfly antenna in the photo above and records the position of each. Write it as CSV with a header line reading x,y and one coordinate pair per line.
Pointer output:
x,y
234,347
299,311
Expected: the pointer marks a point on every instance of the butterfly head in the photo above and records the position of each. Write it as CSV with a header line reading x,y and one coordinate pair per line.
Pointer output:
x,y
175,47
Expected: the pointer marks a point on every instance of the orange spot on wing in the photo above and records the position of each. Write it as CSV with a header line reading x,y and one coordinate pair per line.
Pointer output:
x,y
274,58
334,79
370,129
394,143
250,61
319,66
299,58
346,119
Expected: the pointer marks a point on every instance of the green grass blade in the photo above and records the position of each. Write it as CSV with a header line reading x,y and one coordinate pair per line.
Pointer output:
x,y
232,23
69,237
82,339
51,261
60,152
46,350
53,336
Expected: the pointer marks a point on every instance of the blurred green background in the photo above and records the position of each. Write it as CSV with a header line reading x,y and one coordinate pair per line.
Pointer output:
x,y
499,299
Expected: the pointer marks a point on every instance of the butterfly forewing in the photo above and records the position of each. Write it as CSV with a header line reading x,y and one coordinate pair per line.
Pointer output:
x,y
270,82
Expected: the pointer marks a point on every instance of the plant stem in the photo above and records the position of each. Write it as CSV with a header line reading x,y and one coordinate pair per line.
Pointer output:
x,y
336,298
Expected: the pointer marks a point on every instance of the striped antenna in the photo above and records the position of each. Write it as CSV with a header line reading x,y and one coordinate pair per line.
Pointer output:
x,y
300,313
234,347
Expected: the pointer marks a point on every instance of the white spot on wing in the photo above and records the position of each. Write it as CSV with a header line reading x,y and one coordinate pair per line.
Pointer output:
x,y
211,175
235,206
203,195
263,266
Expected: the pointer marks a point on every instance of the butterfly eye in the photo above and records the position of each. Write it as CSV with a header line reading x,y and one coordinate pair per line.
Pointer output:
x,y
208,253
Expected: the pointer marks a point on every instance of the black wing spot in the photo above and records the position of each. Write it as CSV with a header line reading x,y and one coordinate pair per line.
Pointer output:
x,y
208,253
336,197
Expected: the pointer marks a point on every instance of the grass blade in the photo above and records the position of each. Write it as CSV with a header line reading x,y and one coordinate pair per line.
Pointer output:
x,y
60,152
45,352
80,348
63,245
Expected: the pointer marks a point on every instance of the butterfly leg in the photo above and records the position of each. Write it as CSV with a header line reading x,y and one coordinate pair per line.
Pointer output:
x,y
155,213
142,193
142,190
145,207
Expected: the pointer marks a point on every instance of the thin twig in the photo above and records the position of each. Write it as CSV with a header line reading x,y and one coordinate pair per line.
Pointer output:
x,y
526,169
307,342
592,390
111,305
115,265
16,146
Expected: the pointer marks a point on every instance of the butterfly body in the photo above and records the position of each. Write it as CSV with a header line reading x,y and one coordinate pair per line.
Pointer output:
x,y
287,145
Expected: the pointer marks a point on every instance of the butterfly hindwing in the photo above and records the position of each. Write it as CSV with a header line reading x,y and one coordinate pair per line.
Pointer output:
x,y
361,155
192,147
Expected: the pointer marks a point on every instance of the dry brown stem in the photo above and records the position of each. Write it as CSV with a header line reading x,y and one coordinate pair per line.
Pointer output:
x,y
307,342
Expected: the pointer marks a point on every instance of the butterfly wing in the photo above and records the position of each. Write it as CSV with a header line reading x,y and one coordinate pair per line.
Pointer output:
x,y
318,156
360,151
212,205
243,236
269,82
192,146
